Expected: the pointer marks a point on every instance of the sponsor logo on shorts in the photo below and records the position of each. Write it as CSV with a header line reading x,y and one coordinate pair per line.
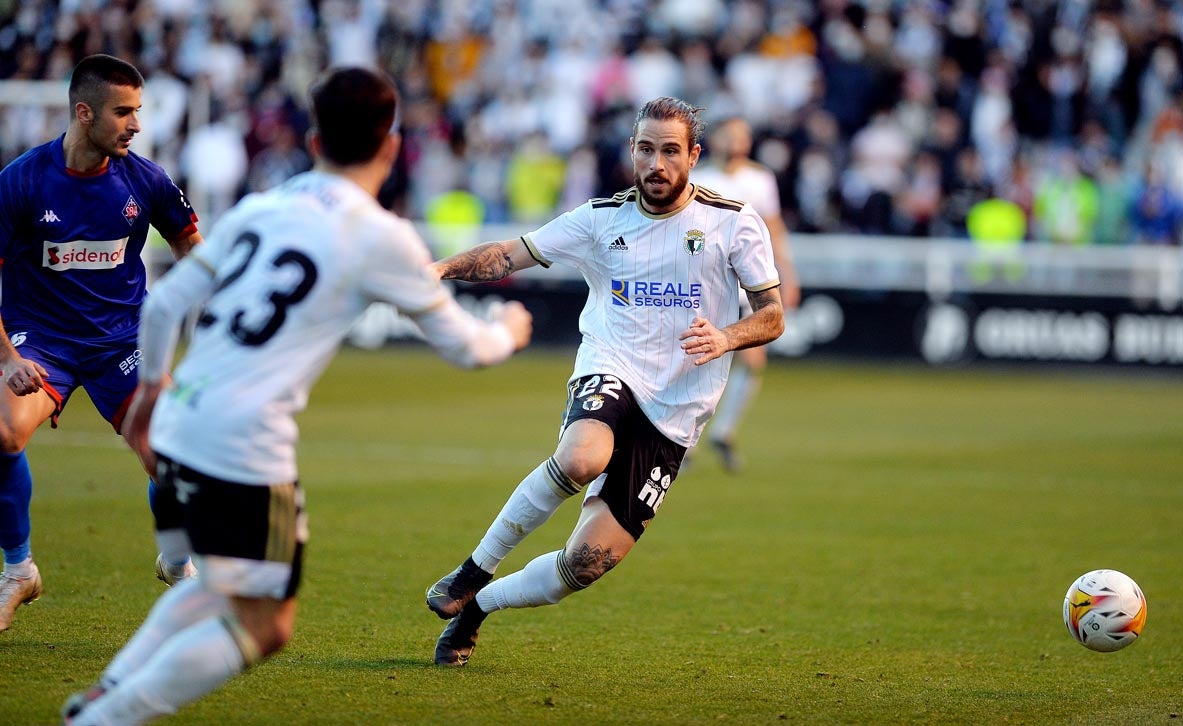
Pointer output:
x,y
656,294
18,338
84,254
130,363
656,486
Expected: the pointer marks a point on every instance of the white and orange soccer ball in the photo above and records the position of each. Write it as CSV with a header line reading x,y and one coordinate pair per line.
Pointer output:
x,y
1105,610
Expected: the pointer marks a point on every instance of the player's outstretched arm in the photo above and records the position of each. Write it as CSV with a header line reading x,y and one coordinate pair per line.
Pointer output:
x,y
187,284
486,263
184,245
764,325
469,342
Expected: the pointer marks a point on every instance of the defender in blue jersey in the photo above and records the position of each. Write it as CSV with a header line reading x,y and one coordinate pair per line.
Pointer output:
x,y
74,216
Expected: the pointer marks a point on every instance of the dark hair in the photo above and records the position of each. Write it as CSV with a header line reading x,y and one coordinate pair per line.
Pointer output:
x,y
92,75
667,108
353,109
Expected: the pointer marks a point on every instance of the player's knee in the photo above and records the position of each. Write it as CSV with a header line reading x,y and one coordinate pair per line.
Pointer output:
x,y
281,634
585,450
262,633
581,465
11,440
272,636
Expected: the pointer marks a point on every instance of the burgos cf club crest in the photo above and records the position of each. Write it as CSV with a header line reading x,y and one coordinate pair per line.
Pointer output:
x,y
695,241
593,402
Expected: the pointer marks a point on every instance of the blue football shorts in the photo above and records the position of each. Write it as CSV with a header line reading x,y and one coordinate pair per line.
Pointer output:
x,y
105,369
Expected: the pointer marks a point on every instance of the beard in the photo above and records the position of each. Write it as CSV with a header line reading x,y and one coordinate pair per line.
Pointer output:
x,y
116,147
673,189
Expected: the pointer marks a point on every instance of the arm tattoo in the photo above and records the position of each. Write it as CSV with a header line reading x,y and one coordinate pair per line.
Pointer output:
x,y
764,298
484,263
764,325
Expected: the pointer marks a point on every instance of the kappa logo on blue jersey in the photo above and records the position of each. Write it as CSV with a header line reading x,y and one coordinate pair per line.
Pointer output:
x,y
50,216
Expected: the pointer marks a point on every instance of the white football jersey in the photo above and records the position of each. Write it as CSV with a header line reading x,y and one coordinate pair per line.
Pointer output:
x,y
292,269
749,182
648,276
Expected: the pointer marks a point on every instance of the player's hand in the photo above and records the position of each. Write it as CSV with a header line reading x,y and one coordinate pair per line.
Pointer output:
x,y
139,417
24,376
436,270
704,340
513,315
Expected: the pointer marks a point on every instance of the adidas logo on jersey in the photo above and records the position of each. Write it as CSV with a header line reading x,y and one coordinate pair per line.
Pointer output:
x,y
50,216
618,244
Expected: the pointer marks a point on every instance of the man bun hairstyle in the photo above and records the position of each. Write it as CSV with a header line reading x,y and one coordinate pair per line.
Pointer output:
x,y
92,75
353,110
668,108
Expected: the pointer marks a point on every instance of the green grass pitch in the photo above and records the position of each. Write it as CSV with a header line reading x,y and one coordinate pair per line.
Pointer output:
x,y
896,551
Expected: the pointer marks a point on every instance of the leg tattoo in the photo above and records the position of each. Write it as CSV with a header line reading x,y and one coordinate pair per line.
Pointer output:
x,y
582,567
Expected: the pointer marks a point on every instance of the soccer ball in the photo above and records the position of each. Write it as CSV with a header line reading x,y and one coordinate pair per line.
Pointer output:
x,y
1105,610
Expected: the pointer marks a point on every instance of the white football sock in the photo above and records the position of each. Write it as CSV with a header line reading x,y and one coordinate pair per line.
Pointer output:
x,y
194,662
741,388
181,606
531,504
22,569
174,545
538,583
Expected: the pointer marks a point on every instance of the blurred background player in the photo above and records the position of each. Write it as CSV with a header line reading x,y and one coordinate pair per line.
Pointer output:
x,y
74,214
279,283
664,261
729,170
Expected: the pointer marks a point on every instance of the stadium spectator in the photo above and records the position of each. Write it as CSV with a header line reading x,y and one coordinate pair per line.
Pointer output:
x,y
991,127
278,161
215,162
1114,193
880,151
533,180
1156,211
1065,202
919,201
968,186
1069,67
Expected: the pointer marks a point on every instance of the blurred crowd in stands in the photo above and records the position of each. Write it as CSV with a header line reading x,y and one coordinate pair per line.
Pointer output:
x,y
1048,120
